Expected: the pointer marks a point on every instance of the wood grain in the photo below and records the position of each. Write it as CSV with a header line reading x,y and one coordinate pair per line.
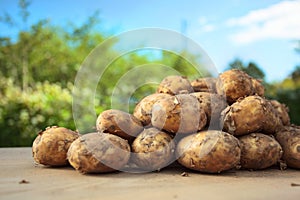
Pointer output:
x,y
20,178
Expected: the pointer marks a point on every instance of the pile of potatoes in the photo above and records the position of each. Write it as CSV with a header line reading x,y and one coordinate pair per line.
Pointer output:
x,y
208,125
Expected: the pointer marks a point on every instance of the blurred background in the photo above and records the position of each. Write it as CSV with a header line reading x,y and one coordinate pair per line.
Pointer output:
x,y
44,43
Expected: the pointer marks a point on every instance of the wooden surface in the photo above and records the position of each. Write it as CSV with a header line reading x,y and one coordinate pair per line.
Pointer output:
x,y
20,178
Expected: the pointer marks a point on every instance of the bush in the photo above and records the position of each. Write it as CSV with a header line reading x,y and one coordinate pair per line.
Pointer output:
x,y
291,97
24,113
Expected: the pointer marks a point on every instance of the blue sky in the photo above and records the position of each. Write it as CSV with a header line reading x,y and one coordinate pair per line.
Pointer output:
x,y
260,31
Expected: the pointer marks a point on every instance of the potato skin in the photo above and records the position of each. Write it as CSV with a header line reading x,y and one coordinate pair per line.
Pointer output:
x,y
51,145
143,110
178,114
153,150
207,84
98,153
289,139
119,123
258,88
213,105
259,151
250,114
209,151
175,85
283,112
234,84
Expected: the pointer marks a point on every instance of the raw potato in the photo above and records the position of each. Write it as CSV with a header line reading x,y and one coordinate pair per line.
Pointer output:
x,y
259,89
178,114
289,139
273,122
207,84
282,111
98,153
119,123
153,150
175,85
234,84
213,105
249,115
259,151
50,146
209,151
143,110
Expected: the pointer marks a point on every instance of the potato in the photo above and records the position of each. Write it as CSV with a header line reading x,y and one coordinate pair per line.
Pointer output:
x,y
178,114
143,110
153,150
209,151
51,145
213,105
98,153
289,139
207,84
234,84
250,114
259,151
119,123
282,111
258,88
175,85
273,122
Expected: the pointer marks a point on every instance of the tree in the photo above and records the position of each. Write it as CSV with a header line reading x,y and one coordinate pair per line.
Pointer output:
x,y
252,69
255,71
23,52
288,92
185,63
38,68
237,64
37,71
43,51
295,75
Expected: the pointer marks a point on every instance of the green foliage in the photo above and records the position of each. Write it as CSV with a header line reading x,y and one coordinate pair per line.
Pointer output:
x,y
24,113
23,5
295,75
288,92
185,67
43,53
252,69
38,69
291,97
139,75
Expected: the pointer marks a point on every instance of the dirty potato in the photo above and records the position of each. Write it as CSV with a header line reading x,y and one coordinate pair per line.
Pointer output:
x,y
213,105
209,151
175,85
98,153
119,123
153,150
250,114
259,151
273,121
179,114
258,87
282,111
51,145
234,84
207,84
143,110
289,139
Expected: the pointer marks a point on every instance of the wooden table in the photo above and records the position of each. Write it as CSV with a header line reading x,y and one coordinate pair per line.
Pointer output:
x,y
20,178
